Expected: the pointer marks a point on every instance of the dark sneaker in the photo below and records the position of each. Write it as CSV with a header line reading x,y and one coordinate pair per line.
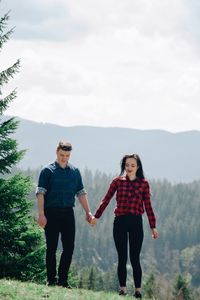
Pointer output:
x,y
137,295
122,293
64,284
52,282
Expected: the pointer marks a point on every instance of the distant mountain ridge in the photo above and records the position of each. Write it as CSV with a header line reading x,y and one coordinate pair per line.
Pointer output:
x,y
165,155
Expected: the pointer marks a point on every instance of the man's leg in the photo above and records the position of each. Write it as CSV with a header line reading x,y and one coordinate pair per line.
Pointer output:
x,y
52,234
67,238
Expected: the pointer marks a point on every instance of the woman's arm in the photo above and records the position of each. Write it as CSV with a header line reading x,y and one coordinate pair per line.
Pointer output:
x,y
106,199
147,204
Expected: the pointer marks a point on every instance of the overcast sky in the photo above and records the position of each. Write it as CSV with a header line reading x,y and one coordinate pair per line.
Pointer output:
x,y
130,63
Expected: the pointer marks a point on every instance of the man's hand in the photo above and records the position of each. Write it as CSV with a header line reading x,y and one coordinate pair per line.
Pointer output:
x,y
90,218
42,221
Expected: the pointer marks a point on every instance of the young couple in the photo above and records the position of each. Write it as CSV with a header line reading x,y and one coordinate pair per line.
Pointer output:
x,y
58,185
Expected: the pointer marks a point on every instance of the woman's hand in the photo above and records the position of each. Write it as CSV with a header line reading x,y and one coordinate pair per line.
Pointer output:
x,y
154,233
93,222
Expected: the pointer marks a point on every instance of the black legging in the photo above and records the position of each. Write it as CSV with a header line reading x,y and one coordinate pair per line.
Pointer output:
x,y
59,221
128,227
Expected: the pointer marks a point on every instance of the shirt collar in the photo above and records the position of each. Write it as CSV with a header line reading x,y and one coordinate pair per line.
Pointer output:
x,y
58,166
127,178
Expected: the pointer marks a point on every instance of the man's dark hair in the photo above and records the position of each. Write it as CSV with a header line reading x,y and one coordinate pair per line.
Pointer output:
x,y
65,146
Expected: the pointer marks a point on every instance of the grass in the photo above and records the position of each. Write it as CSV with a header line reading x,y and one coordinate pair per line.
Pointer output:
x,y
17,290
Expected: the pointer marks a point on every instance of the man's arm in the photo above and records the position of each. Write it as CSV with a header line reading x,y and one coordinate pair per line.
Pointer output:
x,y
84,202
42,221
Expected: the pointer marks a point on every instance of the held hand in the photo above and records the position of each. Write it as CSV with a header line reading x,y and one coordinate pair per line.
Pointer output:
x,y
93,222
154,233
42,221
89,217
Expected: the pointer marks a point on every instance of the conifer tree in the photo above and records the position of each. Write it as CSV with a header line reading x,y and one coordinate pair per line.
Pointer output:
x,y
181,289
21,254
150,286
91,279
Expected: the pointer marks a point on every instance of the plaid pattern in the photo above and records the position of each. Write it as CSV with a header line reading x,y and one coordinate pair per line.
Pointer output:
x,y
132,197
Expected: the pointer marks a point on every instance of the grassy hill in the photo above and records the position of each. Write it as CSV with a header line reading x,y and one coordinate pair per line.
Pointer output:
x,y
16,290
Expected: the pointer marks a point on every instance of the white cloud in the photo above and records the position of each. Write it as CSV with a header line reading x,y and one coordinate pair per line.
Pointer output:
x,y
134,67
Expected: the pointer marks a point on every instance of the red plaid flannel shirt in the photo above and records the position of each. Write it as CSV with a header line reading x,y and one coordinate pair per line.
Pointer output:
x,y
132,197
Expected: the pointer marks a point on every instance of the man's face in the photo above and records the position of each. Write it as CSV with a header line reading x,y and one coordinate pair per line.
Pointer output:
x,y
63,157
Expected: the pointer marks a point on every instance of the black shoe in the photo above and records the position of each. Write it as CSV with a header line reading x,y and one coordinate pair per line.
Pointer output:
x,y
52,282
64,284
137,295
122,293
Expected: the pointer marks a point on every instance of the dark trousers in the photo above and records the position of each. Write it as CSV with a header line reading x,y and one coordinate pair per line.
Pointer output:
x,y
128,228
59,221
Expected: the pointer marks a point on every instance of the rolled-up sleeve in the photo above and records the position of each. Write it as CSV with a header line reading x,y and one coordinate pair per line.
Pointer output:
x,y
81,192
80,188
43,182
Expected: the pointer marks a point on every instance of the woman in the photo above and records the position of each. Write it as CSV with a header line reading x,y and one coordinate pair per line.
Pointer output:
x,y
133,198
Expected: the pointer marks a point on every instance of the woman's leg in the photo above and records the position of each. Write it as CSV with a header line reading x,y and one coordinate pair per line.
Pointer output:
x,y
121,238
135,245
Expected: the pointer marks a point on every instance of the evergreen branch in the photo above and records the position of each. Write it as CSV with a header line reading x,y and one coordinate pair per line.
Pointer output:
x,y
9,72
8,127
6,146
5,37
4,21
7,161
5,101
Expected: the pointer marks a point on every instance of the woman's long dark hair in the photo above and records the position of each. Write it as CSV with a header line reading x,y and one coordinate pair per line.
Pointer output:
x,y
139,173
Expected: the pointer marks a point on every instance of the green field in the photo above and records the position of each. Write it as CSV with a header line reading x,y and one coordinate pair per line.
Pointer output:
x,y
16,290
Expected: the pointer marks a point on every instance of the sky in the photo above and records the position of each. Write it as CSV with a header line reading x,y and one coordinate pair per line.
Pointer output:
x,y
110,63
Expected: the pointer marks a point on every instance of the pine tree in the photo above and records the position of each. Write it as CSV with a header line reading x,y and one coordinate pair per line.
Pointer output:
x,y
91,279
21,254
181,289
150,286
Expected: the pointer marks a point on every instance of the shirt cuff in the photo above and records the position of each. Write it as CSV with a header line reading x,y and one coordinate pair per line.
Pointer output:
x,y
81,192
152,225
40,190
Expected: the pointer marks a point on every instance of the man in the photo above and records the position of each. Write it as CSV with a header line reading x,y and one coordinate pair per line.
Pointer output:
x,y
58,185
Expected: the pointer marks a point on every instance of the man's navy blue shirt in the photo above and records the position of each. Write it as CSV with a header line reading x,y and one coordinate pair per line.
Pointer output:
x,y
60,185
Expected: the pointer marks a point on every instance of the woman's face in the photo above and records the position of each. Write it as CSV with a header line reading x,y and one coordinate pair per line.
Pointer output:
x,y
131,166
